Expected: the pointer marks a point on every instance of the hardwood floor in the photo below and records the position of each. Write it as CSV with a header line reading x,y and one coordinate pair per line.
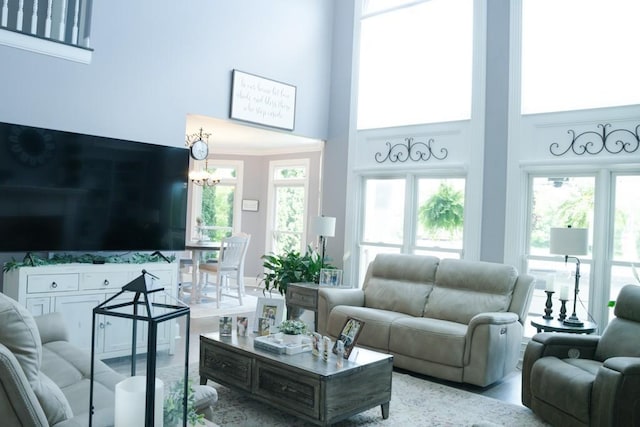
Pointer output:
x,y
507,390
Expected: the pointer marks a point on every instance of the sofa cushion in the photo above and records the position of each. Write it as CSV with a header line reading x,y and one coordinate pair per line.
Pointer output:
x,y
19,333
377,324
434,340
400,282
564,384
464,289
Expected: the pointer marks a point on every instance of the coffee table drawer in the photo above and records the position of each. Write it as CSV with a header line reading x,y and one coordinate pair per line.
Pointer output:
x,y
287,388
226,367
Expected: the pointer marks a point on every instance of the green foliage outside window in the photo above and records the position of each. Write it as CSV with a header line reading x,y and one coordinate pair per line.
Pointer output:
x,y
442,215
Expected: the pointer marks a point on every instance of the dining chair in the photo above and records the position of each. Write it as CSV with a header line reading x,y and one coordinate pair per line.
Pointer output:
x,y
233,251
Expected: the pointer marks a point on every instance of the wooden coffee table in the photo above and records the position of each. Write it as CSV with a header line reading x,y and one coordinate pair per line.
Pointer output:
x,y
301,384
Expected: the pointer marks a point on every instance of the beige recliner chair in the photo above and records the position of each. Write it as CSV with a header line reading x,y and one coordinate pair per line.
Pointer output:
x,y
588,380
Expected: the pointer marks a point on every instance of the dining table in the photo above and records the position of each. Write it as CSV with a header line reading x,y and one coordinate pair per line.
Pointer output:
x,y
199,249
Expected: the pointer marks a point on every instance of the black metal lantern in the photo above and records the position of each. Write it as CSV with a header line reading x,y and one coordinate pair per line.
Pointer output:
x,y
152,309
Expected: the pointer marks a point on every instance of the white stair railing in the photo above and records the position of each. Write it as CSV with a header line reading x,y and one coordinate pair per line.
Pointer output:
x,y
32,18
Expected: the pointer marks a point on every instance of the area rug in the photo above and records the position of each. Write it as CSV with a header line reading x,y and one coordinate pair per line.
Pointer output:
x,y
414,402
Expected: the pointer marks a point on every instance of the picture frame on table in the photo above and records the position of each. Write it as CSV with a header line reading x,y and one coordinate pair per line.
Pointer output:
x,y
349,335
271,309
330,278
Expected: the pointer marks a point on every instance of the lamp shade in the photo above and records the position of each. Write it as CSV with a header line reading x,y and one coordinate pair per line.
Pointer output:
x,y
324,226
569,241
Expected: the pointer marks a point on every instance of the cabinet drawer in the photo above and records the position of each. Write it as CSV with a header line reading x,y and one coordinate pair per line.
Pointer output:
x,y
52,283
225,367
303,297
299,393
104,280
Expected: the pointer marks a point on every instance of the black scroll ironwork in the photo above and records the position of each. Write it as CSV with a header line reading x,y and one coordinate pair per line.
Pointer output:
x,y
409,150
593,142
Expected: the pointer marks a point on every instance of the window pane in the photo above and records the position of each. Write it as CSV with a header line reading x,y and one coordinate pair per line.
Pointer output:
x,y
290,173
415,65
559,202
626,243
224,173
440,216
384,211
626,234
217,210
289,218
579,54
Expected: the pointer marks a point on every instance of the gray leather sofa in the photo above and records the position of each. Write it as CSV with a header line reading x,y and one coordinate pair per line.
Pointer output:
x,y
452,319
44,379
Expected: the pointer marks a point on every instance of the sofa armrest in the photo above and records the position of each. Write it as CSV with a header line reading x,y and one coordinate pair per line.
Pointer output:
x,y
23,407
501,318
492,347
615,398
558,344
52,327
329,298
555,344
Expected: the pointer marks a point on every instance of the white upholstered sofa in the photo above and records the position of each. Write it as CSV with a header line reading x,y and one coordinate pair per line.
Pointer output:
x,y
452,319
44,379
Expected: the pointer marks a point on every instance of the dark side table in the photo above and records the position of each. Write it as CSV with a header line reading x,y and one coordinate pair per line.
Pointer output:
x,y
553,325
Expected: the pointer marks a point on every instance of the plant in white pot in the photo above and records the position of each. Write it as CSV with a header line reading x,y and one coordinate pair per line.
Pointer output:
x,y
292,331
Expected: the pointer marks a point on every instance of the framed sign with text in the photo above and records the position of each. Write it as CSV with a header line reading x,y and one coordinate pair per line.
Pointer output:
x,y
262,101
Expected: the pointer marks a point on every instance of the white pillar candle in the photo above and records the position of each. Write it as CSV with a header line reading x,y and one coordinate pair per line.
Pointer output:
x,y
549,282
130,402
564,293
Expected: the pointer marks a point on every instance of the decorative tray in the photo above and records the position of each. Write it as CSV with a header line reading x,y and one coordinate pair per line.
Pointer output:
x,y
274,344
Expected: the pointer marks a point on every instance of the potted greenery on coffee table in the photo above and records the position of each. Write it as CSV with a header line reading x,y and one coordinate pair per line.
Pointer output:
x,y
292,331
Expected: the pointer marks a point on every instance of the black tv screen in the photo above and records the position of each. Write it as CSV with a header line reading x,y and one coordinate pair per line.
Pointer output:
x,y
64,191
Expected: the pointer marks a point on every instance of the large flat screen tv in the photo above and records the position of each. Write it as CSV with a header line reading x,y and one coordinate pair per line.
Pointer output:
x,y
68,192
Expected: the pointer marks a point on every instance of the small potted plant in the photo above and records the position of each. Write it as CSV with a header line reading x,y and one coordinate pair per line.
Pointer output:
x,y
173,409
292,331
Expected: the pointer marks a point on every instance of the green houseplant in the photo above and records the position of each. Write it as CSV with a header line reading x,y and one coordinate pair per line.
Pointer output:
x,y
291,267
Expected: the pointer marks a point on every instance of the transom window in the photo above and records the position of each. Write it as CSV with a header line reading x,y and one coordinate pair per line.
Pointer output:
x,y
415,62
579,54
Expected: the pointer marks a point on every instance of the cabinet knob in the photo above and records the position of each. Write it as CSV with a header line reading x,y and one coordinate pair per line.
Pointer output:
x,y
106,282
54,285
101,325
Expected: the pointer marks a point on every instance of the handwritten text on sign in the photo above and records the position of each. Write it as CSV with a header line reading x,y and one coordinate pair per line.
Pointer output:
x,y
263,101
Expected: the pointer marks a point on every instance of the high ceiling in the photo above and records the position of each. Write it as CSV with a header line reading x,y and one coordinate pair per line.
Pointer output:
x,y
231,137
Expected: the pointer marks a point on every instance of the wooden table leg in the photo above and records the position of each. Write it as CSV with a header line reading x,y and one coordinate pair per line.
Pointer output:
x,y
385,410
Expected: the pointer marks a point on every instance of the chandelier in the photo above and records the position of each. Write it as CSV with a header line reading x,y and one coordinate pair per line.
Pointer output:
x,y
203,177
198,144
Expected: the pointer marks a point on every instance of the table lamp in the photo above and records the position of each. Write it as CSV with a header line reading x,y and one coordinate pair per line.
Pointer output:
x,y
570,242
323,227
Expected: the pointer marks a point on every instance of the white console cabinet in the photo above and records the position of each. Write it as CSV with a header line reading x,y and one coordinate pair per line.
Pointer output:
x,y
75,289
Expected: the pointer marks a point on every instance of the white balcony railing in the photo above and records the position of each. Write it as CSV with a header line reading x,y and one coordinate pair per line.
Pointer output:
x,y
60,28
